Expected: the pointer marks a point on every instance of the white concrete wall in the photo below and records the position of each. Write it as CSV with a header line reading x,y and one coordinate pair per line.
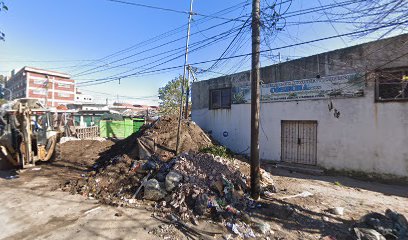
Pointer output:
x,y
368,136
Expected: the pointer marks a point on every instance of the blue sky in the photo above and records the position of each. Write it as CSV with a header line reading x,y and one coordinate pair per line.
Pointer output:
x,y
73,36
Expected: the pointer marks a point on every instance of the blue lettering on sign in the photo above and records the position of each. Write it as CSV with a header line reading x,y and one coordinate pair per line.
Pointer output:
x,y
283,89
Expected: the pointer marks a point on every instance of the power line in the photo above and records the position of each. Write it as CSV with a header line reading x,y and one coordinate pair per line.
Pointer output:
x,y
171,10
122,96
170,33
228,47
17,61
320,8
249,54
215,38
148,6
179,28
87,72
331,23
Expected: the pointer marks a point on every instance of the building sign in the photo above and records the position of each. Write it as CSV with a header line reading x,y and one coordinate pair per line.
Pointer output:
x,y
349,85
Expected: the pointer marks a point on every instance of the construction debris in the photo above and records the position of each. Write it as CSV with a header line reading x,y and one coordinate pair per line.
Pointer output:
x,y
153,190
302,195
173,180
375,226
189,185
337,211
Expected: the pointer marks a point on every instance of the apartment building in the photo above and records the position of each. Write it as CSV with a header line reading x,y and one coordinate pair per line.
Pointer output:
x,y
51,88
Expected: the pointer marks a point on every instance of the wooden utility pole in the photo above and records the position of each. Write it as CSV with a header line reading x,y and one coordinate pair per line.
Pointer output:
x,y
190,15
187,92
255,102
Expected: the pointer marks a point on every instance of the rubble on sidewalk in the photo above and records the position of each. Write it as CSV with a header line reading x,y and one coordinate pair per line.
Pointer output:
x,y
191,185
153,190
390,225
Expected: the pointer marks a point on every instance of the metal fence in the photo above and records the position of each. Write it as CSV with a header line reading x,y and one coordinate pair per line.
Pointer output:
x,y
87,132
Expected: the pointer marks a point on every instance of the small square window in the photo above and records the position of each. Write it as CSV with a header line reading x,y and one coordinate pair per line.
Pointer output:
x,y
392,85
220,98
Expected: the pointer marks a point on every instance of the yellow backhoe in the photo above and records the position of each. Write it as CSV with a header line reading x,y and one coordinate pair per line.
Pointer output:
x,y
27,134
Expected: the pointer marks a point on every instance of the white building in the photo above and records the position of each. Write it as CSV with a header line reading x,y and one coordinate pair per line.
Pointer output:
x,y
83,98
345,109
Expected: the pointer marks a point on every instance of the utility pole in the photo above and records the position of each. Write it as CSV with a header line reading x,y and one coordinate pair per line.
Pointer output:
x,y
190,15
187,91
255,99
46,90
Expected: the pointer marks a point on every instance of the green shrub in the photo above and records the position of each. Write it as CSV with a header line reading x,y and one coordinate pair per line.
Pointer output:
x,y
218,151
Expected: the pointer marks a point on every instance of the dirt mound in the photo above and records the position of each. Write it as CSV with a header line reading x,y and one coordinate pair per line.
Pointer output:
x,y
108,184
158,139
161,138
113,179
84,152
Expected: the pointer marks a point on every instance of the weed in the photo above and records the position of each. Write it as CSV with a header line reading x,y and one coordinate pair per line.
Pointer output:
x,y
218,151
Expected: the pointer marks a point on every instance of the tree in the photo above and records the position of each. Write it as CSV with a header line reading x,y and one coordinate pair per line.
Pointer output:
x,y
169,96
3,8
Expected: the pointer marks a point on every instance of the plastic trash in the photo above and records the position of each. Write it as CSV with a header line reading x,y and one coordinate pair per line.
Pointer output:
x,y
262,227
302,194
368,234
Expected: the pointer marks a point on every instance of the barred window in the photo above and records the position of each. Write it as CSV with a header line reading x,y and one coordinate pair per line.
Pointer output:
x,y
220,98
64,95
392,84
40,81
39,91
64,85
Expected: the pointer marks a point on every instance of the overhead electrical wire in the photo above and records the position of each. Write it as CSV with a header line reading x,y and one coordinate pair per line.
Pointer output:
x,y
171,10
168,33
159,37
248,54
214,15
90,71
320,8
39,61
122,96
215,38
266,50
229,45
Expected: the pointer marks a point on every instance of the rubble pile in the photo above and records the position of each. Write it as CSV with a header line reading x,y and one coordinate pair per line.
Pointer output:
x,y
390,225
197,185
192,186
188,187
109,184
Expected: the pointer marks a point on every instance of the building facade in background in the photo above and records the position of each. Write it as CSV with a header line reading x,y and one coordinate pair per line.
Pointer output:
x,y
345,109
51,88
83,98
